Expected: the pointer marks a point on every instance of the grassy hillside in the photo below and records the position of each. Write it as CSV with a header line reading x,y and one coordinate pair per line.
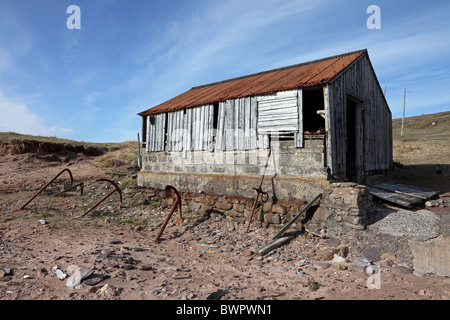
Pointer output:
x,y
426,139
107,154
11,136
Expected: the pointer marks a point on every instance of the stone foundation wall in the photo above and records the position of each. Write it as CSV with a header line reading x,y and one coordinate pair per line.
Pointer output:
x,y
344,204
237,208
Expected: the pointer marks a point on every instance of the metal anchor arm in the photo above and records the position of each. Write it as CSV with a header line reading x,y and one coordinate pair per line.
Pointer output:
x,y
116,189
168,191
44,187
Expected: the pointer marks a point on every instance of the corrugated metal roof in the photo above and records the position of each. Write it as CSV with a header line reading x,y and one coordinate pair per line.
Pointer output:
x,y
308,74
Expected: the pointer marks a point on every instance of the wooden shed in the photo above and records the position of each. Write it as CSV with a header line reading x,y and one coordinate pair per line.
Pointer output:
x,y
324,120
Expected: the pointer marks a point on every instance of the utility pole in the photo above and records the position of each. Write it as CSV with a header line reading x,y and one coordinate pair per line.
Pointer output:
x,y
403,118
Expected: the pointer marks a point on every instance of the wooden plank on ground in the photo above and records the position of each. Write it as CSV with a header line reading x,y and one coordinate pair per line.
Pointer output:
x,y
397,198
408,190
273,245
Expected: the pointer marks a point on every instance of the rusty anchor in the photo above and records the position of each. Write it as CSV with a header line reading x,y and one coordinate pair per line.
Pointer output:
x,y
264,195
116,189
168,191
44,187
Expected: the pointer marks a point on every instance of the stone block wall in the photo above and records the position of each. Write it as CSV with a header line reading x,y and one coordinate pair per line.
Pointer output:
x,y
236,208
344,204
293,174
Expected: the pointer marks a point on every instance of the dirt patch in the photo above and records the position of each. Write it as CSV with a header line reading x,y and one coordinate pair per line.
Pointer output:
x,y
208,254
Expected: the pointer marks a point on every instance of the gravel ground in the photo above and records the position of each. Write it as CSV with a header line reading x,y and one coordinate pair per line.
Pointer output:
x,y
206,255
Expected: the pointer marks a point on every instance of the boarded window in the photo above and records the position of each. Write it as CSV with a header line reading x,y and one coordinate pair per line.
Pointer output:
x,y
281,113
278,112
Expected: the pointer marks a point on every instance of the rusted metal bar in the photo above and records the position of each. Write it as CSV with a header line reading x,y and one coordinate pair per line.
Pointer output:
x,y
279,234
168,191
44,187
81,185
259,191
116,189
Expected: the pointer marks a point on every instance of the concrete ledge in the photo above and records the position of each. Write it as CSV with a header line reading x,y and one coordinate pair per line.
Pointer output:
x,y
283,188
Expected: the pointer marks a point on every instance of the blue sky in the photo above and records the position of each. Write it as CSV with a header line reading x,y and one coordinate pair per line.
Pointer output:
x,y
89,84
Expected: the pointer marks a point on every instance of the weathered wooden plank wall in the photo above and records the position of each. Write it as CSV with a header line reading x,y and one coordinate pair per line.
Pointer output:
x,y
374,130
156,132
190,129
242,124
237,126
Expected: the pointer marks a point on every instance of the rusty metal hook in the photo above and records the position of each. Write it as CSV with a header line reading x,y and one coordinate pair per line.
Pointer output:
x,y
44,187
168,191
116,189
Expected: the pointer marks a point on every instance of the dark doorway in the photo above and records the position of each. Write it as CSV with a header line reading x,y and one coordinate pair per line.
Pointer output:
x,y
351,140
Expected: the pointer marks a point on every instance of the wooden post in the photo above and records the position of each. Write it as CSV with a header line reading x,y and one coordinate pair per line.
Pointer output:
x,y
139,152
403,118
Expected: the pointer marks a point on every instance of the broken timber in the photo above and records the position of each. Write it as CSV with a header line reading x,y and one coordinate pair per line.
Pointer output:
x,y
273,245
403,195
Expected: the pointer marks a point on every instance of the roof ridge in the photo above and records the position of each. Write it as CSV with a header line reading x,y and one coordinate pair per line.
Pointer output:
x,y
281,68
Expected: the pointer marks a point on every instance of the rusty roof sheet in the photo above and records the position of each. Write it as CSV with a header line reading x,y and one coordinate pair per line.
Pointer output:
x,y
309,74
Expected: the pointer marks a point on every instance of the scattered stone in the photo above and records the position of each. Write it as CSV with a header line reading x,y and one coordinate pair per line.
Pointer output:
x,y
371,254
322,265
77,277
331,242
402,270
327,255
113,241
7,271
343,251
106,252
61,275
217,295
301,263
127,266
145,267
386,264
338,259
95,279
191,295
342,267
182,276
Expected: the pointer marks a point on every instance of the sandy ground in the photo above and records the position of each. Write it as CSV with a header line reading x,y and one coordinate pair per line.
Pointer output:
x,y
205,257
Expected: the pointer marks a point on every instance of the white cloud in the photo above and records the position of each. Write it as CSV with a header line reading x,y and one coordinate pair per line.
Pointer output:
x,y
17,117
